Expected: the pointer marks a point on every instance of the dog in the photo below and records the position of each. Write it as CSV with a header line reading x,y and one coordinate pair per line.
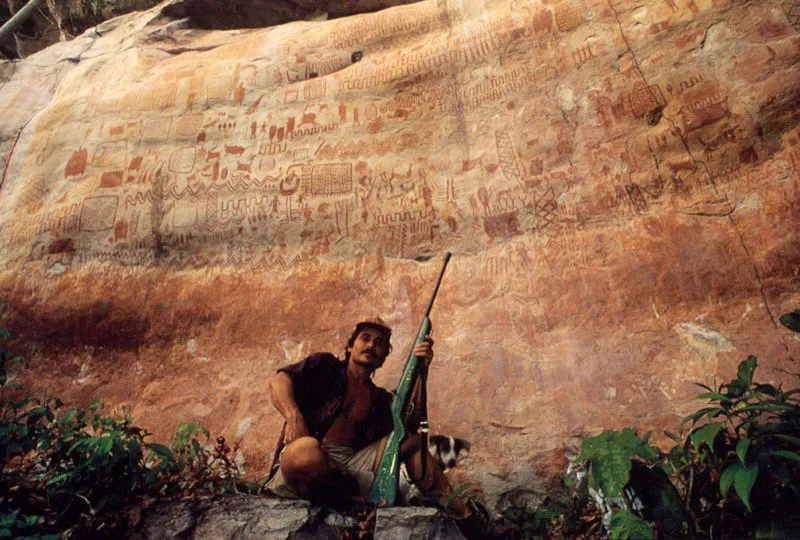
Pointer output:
x,y
447,451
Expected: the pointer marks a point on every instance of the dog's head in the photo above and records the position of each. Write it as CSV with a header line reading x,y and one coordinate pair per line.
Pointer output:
x,y
447,450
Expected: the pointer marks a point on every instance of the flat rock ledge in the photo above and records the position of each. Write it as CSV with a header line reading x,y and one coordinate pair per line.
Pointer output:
x,y
246,516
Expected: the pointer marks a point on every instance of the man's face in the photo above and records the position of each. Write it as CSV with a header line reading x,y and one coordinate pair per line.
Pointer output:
x,y
370,348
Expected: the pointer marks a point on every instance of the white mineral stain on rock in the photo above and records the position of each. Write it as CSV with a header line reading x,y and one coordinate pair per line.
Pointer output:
x,y
191,348
701,335
565,97
292,351
751,202
83,375
240,461
244,425
57,268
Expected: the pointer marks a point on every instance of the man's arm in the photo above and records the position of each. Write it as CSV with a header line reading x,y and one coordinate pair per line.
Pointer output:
x,y
281,390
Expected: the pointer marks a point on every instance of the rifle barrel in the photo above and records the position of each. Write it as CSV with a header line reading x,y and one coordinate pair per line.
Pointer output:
x,y
438,282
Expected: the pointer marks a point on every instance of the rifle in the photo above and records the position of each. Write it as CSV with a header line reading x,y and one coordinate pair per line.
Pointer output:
x,y
384,486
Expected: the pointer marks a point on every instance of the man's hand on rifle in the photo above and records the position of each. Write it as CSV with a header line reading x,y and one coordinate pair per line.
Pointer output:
x,y
424,351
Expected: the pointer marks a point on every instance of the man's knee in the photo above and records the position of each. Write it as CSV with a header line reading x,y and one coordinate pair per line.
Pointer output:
x,y
304,455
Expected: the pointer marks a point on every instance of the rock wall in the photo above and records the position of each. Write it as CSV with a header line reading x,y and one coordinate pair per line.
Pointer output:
x,y
185,210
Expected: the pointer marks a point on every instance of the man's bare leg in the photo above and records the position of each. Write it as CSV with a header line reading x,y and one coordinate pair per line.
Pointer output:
x,y
304,465
434,483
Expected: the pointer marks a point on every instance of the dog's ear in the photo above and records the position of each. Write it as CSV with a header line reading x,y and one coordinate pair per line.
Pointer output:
x,y
461,444
436,440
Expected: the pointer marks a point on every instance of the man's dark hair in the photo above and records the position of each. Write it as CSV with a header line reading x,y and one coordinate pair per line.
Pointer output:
x,y
359,327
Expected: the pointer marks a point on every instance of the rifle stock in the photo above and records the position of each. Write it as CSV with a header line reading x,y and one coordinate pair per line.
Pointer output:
x,y
385,485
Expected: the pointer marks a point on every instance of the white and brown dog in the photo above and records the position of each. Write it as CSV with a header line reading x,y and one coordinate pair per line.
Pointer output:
x,y
447,451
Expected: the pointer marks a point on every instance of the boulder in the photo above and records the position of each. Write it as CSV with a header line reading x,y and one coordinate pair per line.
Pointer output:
x,y
241,516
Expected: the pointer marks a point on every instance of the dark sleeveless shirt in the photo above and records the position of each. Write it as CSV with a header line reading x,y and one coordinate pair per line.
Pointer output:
x,y
319,384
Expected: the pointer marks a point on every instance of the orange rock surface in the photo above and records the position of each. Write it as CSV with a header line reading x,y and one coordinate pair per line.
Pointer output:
x,y
183,210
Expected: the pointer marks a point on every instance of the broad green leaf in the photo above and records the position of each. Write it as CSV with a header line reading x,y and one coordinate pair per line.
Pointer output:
x,y
58,478
76,445
612,471
105,445
593,446
735,388
791,439
743,481
741,449
787,454
458,491
746,369
767,408
694,417
4,333
5,533
713,396
625,525
68,417
706,434
766,389
726,479
160,450
791,321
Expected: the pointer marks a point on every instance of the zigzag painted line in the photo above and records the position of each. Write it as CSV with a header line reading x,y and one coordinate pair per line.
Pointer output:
x,y
140,198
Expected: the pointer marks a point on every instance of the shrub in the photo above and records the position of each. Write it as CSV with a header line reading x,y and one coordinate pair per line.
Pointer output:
x,y
736,473
747,437
78,471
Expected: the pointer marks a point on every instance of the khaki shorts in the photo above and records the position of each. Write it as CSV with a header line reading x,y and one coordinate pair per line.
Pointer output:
x,y
357,464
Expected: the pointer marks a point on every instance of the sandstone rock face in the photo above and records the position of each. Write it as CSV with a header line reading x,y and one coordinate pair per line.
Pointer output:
x,y
185,210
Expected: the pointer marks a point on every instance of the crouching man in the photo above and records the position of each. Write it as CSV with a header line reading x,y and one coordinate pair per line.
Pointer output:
x,y
337,421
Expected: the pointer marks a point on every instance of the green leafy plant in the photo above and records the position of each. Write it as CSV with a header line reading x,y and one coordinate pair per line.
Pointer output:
x,y
567,511
625,525
610,458
736,470
79,470
610,454
741,459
